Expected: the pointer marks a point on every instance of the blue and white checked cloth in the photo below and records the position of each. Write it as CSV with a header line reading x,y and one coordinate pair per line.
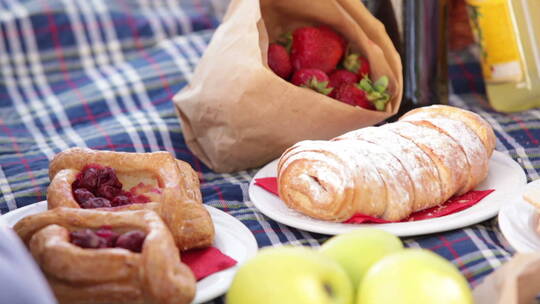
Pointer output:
x,y
101,74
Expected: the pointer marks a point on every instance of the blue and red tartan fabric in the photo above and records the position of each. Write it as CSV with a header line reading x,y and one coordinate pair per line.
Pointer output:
x,y
101,74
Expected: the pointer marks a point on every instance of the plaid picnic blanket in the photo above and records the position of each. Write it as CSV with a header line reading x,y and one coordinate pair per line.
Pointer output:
x,y
101,74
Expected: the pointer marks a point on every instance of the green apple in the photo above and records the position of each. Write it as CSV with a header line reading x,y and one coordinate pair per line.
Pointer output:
x,y
290,275
357,250
414,276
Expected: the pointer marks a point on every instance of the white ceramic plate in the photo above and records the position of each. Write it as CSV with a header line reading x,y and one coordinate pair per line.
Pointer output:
x,y
518,221
232,238
505,176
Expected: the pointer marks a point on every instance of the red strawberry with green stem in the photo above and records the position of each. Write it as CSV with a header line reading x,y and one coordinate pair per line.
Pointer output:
x,y
377,92
349,93
316,48
357,64
331,34
314,79
339,77
279,60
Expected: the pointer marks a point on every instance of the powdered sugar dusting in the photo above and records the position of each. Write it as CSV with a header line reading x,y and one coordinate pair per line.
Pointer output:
x,y
319,155
387,171
421,169
478,125
369,185
447,154
471,144
398,183
315,187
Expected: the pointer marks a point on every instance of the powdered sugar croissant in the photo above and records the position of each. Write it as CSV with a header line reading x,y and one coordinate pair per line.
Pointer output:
x,y
429,155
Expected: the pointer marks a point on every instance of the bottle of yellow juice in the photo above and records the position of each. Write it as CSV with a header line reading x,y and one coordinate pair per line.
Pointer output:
x,y
508,33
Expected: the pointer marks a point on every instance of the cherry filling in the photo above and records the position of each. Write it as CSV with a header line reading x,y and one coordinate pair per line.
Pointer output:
x,y
87,238
121,200
82,195
105,237
108,185
132,240
98,187
107,234
89,178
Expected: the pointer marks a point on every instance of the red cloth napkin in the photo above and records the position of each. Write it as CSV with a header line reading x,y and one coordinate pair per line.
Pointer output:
x,y
454,204
268,183
206,261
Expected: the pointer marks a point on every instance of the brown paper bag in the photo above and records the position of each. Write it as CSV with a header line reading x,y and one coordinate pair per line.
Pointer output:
x,y
237,114
516,282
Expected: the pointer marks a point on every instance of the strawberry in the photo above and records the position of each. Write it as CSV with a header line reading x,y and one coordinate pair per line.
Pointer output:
x,y
316,48
377,92
314,79
357,64
349,93
339,77
279,60
331,34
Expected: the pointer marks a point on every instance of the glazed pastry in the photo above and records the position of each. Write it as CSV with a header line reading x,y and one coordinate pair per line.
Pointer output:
x,y
107,275
419,162
84,178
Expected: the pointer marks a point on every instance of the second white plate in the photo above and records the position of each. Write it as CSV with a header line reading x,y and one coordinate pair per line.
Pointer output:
x,y
518,221
232,238
505,176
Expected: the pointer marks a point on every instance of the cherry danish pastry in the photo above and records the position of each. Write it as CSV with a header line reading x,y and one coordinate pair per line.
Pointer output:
x,y
98,256
117,181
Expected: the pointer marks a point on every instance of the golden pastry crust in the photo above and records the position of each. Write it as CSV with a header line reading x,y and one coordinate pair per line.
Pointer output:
x,y
481,127
447,155
398,184
316,191
389,171
108,275
471,145
178,200
417,164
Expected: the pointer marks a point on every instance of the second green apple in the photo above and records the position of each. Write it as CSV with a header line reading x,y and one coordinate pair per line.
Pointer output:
x,y
358,250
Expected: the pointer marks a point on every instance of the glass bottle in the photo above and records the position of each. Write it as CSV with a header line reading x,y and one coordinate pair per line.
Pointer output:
x,y
419,30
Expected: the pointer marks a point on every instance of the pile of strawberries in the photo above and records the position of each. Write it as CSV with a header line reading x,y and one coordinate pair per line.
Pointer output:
x,y
318,58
